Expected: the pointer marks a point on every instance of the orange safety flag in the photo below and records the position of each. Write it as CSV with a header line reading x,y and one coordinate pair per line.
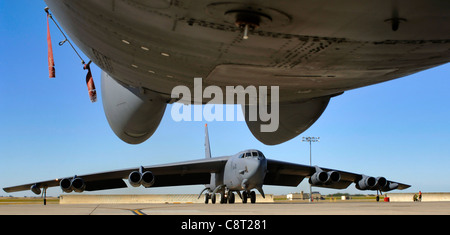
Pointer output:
x,y
51,62
90,83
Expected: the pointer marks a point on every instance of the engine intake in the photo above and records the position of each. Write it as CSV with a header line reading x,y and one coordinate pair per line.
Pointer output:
x,y
366,183
78,185
35,189
334,176
321,177
66,185
146,179
72,185
381,183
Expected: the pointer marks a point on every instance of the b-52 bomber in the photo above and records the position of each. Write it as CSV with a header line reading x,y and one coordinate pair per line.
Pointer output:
x,y
243,172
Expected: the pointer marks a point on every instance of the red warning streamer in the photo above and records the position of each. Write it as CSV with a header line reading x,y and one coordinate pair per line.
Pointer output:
x,y
51,62
90,83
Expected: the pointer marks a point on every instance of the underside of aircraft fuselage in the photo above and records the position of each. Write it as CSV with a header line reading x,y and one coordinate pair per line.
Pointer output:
x,y
309,49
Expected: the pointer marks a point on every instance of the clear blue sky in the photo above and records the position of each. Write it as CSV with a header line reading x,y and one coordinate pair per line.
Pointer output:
x,y
49,129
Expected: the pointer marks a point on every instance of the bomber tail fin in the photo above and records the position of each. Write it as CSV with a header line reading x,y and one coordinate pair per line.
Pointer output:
x,y
207,147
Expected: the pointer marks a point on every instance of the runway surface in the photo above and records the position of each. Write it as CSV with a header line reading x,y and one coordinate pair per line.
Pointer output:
x,y
288,208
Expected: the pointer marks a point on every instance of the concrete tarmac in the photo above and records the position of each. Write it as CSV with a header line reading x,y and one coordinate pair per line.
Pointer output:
x,y
277,208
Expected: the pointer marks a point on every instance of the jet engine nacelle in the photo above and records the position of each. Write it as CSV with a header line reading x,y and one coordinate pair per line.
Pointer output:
x,y
389,186
135,178
35,189
78,185
381,183
133,114
366,183
321,177
66,185
72,185
146,179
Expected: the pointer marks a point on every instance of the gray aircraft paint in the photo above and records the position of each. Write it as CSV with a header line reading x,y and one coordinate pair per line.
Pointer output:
x,y
244,171
313,50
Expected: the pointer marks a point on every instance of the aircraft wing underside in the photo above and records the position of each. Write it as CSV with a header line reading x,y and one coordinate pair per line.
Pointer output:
x,y
312,50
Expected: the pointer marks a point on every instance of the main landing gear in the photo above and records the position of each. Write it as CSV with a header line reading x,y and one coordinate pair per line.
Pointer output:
x,y
230,197
222,198
251,195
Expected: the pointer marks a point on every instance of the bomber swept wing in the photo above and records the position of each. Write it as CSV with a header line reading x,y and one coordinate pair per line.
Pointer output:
x,y
291,174
175,174
198,172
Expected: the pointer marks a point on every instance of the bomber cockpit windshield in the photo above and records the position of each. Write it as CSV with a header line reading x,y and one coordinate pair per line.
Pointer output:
x,y
252,154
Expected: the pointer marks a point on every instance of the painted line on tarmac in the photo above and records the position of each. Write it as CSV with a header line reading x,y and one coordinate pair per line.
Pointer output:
x,y
138,212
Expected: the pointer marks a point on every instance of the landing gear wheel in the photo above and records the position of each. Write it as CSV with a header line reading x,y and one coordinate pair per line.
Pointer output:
x,y
207,196
223,199
231,198
244,197
252,197
213,198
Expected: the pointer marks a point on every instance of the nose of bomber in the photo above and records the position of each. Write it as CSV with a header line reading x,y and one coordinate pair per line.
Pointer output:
x,y
257,169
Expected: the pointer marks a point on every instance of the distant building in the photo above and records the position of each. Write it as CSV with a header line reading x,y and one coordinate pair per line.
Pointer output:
x,y
303,196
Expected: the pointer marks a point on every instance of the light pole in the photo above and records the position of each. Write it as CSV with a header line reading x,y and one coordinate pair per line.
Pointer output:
x,y
310,140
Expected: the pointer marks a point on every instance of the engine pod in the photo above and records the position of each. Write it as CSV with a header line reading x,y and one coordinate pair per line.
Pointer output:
x,y
135,178
366,183
78,185
35,189
66,185
148,179
294,119
132,114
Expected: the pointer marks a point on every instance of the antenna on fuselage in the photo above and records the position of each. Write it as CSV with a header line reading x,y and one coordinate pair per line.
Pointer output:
x,y
207,147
